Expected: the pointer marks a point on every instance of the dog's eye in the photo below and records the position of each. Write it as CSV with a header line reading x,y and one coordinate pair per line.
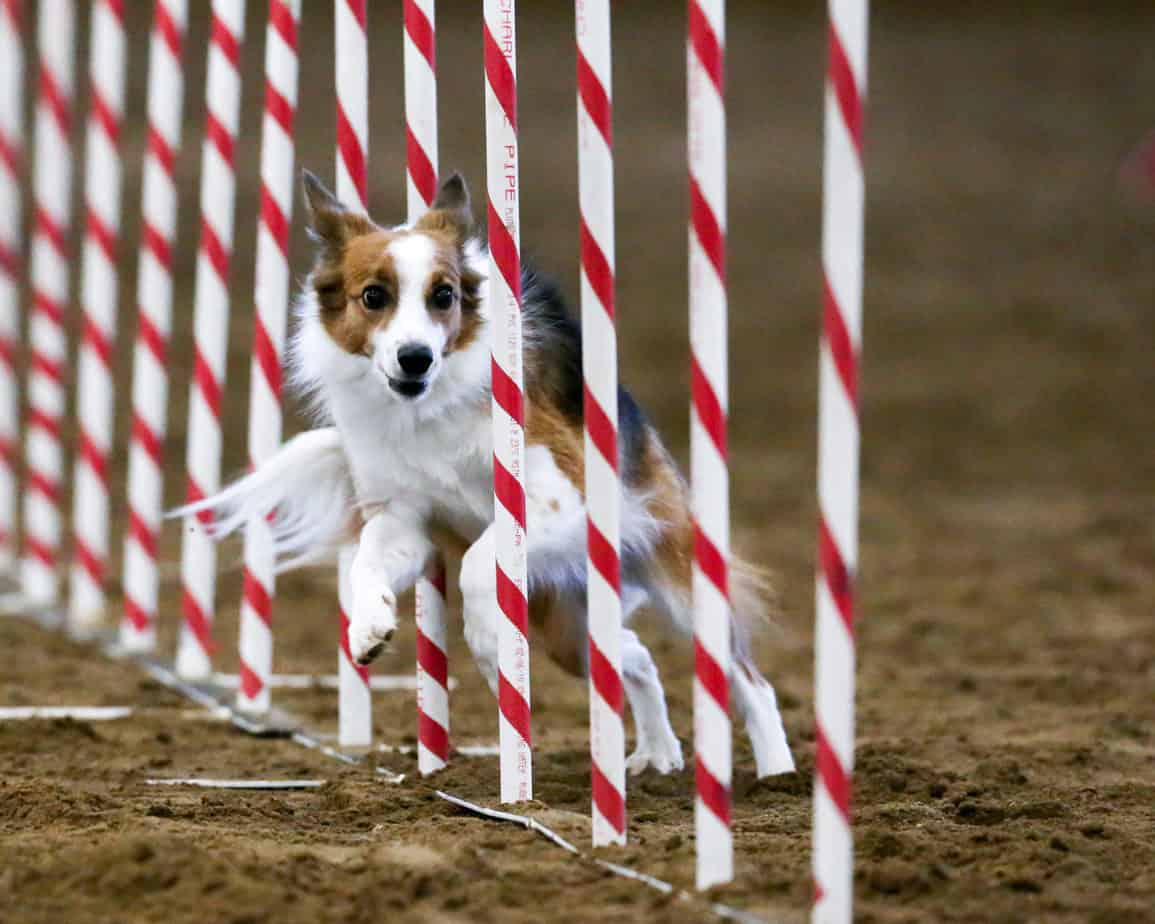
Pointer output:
x,y
442,298
373,298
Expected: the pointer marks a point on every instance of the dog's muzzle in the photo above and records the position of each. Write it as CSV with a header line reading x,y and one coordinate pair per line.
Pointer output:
x,y
414,360
408,388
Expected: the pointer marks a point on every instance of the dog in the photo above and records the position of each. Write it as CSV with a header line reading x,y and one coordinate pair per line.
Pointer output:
x,y
392,354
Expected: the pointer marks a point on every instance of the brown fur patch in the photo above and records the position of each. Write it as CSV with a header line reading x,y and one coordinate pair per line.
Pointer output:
x,y
343,272
442,224
563,635
340,282
471,322
546,426
669,503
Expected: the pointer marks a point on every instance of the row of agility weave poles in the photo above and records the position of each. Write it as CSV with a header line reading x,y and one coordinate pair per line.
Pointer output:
x,y
48,353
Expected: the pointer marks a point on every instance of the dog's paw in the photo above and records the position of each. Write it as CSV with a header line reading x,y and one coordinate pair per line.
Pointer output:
x,y
373,622
665,757
772,754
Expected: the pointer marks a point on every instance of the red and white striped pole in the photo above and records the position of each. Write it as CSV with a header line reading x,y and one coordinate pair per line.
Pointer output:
x,y
11,258
838,441
432,671
50,274
710,475
210,333
421,188
420,106
273,282
354,698
501,155
95,389
154,323
600,369
352,55
354,706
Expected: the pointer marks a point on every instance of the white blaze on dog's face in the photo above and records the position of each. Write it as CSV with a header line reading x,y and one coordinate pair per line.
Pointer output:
x,y
404,298
407,350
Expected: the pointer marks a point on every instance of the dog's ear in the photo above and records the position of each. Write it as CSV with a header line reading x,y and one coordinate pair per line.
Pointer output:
x,y
451,210
453,196
330,224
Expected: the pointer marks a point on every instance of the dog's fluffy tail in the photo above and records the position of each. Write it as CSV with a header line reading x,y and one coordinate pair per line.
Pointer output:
x,y
752,597
305,490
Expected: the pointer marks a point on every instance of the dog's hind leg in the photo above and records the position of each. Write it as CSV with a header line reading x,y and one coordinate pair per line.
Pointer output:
x,y
559,618
657,745
754,699
755,702
670,584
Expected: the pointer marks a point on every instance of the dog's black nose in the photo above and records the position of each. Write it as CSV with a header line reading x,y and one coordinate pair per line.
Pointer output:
x,y
415,359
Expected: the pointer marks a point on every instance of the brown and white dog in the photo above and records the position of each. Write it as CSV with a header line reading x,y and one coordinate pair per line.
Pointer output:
x,y
392,349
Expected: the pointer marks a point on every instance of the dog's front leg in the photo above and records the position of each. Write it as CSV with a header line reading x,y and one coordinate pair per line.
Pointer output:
x,y
392,552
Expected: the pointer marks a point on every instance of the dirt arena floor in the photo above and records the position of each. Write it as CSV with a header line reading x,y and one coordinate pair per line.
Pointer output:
x,y
1006,759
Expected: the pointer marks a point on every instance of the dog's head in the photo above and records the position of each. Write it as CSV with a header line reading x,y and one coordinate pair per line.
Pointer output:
x,y
404,298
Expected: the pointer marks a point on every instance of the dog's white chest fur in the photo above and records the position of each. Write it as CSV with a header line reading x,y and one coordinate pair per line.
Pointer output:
x,y
438,466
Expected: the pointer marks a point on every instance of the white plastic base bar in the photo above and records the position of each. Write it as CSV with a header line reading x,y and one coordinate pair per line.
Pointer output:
x,y
109,714
465,750
77,713
400,682
207,783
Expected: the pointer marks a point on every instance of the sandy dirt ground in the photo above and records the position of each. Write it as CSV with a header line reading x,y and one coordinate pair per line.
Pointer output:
x,y
1006,760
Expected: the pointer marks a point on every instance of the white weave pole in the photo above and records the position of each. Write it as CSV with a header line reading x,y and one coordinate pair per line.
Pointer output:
x,y
838,442
432,671
271,300
710,478
420,106
421,188
95,389
354,703
154,324
210,334
11,258
502,169
354,699
50,274
600,370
